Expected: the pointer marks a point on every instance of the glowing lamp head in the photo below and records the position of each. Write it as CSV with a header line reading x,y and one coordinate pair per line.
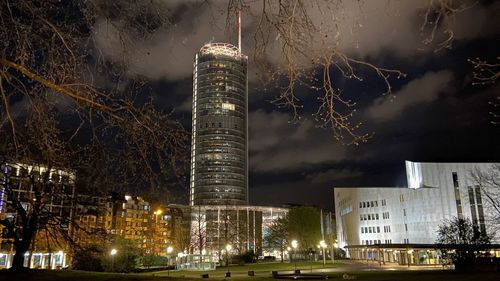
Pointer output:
x,y
113,252
295,244
322,243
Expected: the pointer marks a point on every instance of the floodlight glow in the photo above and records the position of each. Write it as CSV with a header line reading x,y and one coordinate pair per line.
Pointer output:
x,y
414,174
170,249
322,243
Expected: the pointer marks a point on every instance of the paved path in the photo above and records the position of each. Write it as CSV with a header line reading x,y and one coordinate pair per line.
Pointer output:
x,y
346,266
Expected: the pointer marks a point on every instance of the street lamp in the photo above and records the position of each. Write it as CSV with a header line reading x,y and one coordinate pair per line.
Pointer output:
x,y
323,247
295,244
154,233
113,253
228,248
170,249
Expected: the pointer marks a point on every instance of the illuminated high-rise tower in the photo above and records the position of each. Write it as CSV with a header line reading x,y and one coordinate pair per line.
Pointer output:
x,y
219,147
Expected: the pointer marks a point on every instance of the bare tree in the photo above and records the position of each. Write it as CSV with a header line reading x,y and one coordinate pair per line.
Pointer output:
x,y
277,236
438,20
35,199
437,28
486,73
310,57
461,241
489,184
55,114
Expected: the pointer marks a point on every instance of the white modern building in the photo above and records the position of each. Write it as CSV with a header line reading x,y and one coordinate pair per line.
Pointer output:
x,y
409,217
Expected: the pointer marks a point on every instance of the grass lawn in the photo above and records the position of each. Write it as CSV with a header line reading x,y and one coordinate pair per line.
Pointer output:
x,y
239,274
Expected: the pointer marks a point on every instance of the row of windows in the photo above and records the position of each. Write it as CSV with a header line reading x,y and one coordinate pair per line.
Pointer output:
x,y
218,156
231,169
368,204
211,143
214,98
218,196
221,176
369,217
213,125
387,228
370,229
221,77
370,242
135,207
207,145
222,69
201,183
219,112
216,201
222,121
229,93
235,192
385,215
226,103
210,137
211,61
231,156
221,91
217,163
388,241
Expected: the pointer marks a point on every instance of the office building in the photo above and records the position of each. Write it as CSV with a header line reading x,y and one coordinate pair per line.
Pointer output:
x,y
48,191
219,149
400,219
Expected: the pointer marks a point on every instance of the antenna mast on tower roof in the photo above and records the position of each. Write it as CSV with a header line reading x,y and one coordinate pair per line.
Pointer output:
x,y
239,30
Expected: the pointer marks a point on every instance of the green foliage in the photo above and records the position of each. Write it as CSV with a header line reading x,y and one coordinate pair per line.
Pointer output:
x,y
126,259
465,238
247,257
88,258
277,234
303,224
151,260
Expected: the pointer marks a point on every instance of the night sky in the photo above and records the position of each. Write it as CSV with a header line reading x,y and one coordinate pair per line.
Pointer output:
x,y
438,115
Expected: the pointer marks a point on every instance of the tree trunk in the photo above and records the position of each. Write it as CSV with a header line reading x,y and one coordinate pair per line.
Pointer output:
x,y
18,261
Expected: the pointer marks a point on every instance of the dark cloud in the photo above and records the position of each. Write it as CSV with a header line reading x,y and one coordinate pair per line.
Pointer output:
x,y
277,145
437,114
365,28
417,92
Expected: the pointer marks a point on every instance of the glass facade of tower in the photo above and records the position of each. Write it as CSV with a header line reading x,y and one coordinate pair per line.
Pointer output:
x,y
219,138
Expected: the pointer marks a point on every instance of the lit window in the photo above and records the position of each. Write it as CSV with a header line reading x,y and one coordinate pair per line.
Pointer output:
x,y
228,106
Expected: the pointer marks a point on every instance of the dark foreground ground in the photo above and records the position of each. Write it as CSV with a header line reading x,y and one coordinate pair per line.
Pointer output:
x,y
356,271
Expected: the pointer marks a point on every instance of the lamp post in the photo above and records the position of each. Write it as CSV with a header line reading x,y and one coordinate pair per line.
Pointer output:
x,y
153,242
113,253
295,244
228,248
323,246
335,246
